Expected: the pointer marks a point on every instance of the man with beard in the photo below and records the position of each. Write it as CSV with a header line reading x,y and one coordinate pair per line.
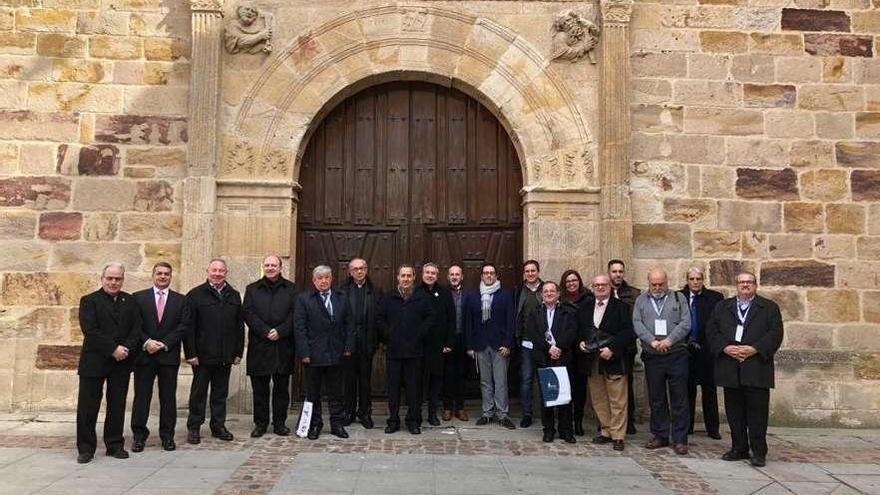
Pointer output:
x,y
363,298
455,362
440,337
628,294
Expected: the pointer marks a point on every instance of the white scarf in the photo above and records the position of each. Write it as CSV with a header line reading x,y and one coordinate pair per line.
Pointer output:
x,y
486,292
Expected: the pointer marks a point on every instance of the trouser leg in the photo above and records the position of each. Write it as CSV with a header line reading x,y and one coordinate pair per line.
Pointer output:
x,y
526,374
88,404
677,379
601,404
313,395
630,390
219,394
365,385
280,398
114,419
735,407
144,376
393,378
499,377
198,396
260,386
411,375
167,400
349,370
487,384
655,375
615,387
332,378
710,406
757,411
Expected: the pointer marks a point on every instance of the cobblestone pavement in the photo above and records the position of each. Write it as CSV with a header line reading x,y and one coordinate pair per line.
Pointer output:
x,y
37,455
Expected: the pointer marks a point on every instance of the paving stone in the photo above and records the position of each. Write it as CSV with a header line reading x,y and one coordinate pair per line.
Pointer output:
x,y
724,470
862,482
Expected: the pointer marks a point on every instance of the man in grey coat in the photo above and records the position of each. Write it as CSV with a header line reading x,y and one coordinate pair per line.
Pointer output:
x,y
662,322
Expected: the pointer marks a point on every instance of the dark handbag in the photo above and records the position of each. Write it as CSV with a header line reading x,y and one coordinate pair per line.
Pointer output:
x,y
597,342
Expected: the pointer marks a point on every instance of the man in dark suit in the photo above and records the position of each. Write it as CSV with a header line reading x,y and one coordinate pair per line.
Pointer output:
x,y
620,289
489,333
744,333
324,333
606,329
214,343
455,364
363,298
439,340
552,328
111,327
702,301
164,315
268,312
405,318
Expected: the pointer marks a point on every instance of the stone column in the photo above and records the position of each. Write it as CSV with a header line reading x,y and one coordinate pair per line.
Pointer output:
x,y
199,188
614,115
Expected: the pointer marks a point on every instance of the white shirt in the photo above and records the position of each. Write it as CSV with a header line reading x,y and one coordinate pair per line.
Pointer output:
x,y
599,312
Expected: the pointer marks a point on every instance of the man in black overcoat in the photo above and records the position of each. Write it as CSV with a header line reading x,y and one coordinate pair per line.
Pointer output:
x,y
440,338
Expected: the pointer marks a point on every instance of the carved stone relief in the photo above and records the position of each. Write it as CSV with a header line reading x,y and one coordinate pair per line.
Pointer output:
x,y
250,31
569,169
574,37
241,159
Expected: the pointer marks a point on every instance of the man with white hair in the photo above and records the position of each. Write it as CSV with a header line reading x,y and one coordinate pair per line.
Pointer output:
x,y
111,325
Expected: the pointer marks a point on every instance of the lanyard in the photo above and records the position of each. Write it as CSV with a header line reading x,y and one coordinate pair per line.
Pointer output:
x,y
742,314
660,309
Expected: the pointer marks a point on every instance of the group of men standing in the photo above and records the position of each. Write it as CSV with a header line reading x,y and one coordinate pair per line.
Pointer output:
x,y
430,330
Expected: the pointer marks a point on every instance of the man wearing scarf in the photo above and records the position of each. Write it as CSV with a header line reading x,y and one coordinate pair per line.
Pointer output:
x,y
489,334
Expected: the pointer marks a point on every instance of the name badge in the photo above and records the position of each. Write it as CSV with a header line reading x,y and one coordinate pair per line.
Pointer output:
x,y
660,328
739,333
528,344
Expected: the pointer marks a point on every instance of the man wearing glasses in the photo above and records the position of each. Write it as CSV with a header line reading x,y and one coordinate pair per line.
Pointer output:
x,y
744,332
489,333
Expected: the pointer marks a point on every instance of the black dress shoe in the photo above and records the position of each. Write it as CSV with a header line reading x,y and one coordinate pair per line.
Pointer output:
x,y
414,430
194,437
579,429
281,431
507,423
223,434
602,439
347,419
367,422
631,429
339,432
314,433
548,436
137,446
618,444
85,458
758,461
433,420
569,438
526,421
714,435
484,420
391,428
118,454
732,455
168,444
258,431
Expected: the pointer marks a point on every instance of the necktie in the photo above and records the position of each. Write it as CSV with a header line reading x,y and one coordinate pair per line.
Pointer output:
x,y
600,304
694,330
160,305
327,303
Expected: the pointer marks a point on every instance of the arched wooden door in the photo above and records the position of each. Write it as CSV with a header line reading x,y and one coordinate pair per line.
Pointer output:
x,y
409,172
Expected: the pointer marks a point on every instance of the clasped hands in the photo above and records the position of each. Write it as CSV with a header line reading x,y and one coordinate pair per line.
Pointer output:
x,y
661,345
740,352
153,346
120,353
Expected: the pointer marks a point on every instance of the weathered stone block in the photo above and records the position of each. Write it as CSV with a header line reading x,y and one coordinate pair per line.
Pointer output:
x,y
865,185
824,185
661,240
60,225
757,152
161,100
24,256
91,194
724,41
47,289
717,182
134,129
866,71
161,157
814,20
789,124
834,246
874,219
834,125
798,69
100,159
45,20
866,21
18,43
708,66
804,335
871,306
57,357
804,217
833,305
790,246
716,243
844,218
723,121
659,176
831,98
651,91
115,47
139,172
691,211
769,95
859,338
37,159
102,22
858,274
868,126
61,45
38,193
100,227
754,68
804,273
776,44
754,183
156,252
156,195
868,248
17,225
92,256
80,70
845,45
38,126
811,154
166,49
755,245
71,97
746,215
723,272
152,226
657,118
651,64
711,93
790,302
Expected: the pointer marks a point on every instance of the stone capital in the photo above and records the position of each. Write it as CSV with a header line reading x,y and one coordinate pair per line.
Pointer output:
x,y
213,6
616,13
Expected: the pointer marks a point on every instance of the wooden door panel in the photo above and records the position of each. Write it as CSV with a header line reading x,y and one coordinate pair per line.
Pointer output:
x,y
397,156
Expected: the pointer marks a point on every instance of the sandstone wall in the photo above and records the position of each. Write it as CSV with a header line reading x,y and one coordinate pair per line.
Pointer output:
x,y
756,145
93,105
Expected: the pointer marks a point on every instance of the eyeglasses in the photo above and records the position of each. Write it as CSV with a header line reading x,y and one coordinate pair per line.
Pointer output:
x,y
488,273
572,281
745,282
601,285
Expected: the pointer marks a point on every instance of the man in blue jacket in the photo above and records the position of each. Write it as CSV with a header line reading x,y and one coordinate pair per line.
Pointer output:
x,y
489,332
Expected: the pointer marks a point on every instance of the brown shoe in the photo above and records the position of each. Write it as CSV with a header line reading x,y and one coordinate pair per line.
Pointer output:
x,y
657,443
680,448
462,415
447,415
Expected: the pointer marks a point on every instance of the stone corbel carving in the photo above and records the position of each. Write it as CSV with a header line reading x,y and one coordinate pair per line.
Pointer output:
x,y
616,12
250,31
574,37
206,5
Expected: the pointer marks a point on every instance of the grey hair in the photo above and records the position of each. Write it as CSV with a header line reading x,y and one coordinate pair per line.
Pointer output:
x,y
429,264
322,270
217,260
357,259
694,270
113,264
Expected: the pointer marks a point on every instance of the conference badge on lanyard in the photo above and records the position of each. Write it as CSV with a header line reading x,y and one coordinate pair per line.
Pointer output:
x,y
660,329
741,315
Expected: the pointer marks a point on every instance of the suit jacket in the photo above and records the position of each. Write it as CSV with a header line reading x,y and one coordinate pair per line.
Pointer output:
x,y
170,331
705,302
321,337
107,323
762,330
269,305
617,325
366,333
442,332
404,324
216,333
628,294
564,330
498,331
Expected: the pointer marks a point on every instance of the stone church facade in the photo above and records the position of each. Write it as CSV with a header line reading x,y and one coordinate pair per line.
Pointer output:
x,y
723,134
